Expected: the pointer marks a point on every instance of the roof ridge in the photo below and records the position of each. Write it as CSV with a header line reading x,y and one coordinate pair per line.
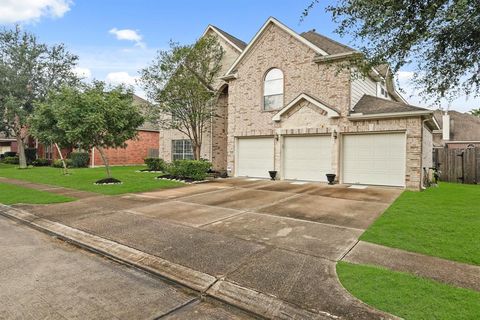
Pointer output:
x,y
238,42
326,37
307,34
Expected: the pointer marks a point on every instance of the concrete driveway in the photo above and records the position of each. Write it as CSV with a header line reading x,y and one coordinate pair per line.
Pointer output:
x,y
277,238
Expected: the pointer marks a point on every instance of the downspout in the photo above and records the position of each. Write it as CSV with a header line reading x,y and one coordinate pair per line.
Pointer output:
x,y
422,172
93,157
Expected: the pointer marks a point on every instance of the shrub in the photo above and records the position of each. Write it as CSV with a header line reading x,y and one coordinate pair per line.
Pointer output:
x,y
80,159
58,163
10,154
41,162
189,169
11,160
30,155
155,164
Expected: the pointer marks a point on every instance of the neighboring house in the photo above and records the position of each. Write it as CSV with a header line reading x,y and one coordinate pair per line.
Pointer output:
x,y
7,144
458,130
145,145
289,108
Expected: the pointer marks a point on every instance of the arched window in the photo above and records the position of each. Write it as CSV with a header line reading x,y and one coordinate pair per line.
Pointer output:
x,y
273,90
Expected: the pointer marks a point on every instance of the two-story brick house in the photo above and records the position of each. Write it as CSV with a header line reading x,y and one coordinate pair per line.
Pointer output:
x,y
285,106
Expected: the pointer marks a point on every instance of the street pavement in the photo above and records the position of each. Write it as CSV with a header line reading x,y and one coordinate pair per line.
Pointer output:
x,y
45,278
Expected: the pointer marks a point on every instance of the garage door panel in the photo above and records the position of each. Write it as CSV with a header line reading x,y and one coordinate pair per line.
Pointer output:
x,y
255,157
307,157
374,159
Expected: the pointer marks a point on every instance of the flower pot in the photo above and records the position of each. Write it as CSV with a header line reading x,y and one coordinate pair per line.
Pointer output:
x,y
331,178
272,174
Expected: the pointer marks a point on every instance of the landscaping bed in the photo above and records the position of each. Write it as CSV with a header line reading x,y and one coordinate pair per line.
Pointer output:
x,y
84,178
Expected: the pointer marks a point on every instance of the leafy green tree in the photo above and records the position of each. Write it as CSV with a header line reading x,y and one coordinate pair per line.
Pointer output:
x,y
475,112
182,81
44,126
95,117
28,71
440,38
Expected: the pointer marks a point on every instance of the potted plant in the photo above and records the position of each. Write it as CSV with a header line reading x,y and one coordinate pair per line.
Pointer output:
x,y
273,174
331,178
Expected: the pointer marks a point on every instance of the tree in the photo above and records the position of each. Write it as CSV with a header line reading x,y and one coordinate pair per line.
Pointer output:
x,y
95,116
28,71
182,81
475,112
440,38
44,125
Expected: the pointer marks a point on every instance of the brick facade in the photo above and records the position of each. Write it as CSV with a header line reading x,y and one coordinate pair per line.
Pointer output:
x,y
276,48
135,152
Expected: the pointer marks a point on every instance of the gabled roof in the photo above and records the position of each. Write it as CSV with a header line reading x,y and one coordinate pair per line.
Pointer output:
x,y
234,41
331,112
464,126
373,105
144,104
274,21
328,45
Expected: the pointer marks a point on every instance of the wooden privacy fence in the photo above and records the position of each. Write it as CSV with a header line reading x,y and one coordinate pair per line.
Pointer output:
x,y
458,165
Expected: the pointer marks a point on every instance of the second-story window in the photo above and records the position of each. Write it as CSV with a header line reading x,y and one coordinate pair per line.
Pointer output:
x,y
273,90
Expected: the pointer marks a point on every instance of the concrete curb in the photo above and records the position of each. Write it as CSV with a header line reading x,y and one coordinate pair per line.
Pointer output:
x,y
188,277
244,298
259,303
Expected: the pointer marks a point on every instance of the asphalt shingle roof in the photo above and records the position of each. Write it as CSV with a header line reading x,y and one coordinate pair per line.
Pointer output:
x,y
328,45
239,43
463,126
374,105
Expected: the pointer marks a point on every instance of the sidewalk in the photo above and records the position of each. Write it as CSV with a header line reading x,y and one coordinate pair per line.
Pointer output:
x,y
446,271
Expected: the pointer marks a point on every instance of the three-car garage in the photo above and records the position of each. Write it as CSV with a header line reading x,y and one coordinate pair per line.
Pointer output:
x,y
369,158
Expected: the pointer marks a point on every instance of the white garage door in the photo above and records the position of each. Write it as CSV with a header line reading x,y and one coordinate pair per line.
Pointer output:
x,y
255,157
377,159
307,158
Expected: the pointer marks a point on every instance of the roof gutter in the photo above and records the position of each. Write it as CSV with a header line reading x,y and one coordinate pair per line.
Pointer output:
x,y
460,141
229,77
360,116
338,56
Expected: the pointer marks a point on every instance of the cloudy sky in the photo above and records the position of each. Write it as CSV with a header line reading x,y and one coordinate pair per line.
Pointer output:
x,y
116,38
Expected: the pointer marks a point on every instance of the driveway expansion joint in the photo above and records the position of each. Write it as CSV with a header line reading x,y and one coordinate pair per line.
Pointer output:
x,y
218,288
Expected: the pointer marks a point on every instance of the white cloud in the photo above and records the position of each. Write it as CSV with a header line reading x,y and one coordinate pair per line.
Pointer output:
x,y
121,77
412,94
82,72
32,10
129,35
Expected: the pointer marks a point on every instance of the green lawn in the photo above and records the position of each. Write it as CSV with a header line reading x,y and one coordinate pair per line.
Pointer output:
x,y
442,222
408,296
83,179
11,194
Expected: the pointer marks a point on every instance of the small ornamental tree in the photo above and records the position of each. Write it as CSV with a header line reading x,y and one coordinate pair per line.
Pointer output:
x,y
43,125
182,81
97,117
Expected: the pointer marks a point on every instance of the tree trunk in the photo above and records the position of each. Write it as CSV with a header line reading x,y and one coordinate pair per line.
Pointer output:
x,y
105,161
22,159
197,151
65,169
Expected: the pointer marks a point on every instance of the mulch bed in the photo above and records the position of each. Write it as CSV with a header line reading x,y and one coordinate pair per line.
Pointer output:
x,y
108,181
